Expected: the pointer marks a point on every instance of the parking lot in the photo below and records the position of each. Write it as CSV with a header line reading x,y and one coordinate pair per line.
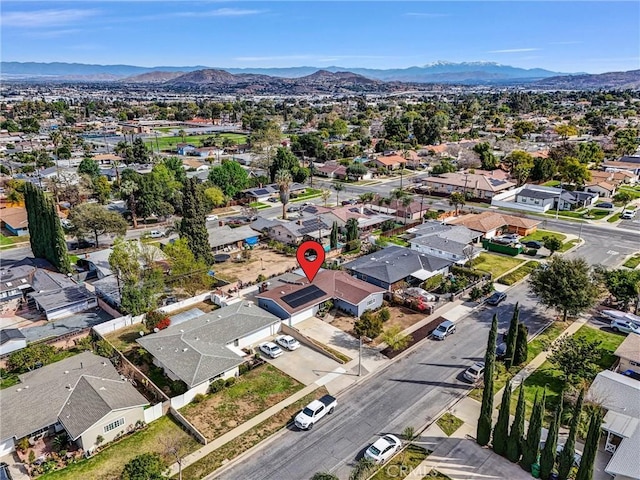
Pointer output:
x,y
304,364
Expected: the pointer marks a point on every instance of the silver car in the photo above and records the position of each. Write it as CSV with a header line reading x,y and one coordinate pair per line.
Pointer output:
x,y
474,372
443,330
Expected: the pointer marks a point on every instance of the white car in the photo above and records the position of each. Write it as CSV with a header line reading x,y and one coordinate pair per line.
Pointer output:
x,y
156,234
445,329
625,326
628,214
288,342
212,218
383,449
474,372
271,349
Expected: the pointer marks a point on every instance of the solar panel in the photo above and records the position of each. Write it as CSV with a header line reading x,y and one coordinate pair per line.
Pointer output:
x,y
261,191
305,295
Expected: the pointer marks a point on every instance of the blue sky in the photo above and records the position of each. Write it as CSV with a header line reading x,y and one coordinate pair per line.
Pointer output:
x,y
572,36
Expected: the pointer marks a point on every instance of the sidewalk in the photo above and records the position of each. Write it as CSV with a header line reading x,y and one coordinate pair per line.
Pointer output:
x,y
459,456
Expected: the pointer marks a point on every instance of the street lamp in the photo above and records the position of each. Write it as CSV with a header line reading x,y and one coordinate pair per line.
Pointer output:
x,y
559,198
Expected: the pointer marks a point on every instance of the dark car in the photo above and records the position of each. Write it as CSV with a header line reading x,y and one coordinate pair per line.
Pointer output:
x,y
353,201
501,350
496,298
81,244
4,472
533,244
604,205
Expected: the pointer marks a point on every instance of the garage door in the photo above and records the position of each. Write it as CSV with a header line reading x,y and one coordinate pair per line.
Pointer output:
x,y
299,317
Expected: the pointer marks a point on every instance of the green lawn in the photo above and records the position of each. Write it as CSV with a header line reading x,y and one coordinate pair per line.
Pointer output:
x,y
259,205
125,338
403,463
551,183
519,273
11,240
548,375
597,214
538,235
449,423
395,240
614,218
633,191
567,245
632,262
495,264
169,143
108,464
253,393
7,379
307,194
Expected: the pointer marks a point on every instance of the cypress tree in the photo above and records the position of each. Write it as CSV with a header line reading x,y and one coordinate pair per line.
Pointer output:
x,y
46,235
333,239
585,471
531,445
193,224
511,337
522,347
484,421
565,459
514,447
548,455
501,430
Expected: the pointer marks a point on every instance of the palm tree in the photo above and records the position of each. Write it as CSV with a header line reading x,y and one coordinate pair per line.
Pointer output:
x,y
325,195
338,187
284,181
127,190
456,199
397,195
406,201
367,197
182,135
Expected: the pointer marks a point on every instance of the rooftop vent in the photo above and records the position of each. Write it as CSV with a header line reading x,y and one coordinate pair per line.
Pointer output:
x,y
26,386
102,388
66,371
185,349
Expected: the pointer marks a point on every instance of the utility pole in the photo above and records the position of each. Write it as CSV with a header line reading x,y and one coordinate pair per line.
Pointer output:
x,y
559,198
360,355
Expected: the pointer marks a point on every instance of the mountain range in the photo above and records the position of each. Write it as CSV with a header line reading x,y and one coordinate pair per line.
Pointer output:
x,y
439,72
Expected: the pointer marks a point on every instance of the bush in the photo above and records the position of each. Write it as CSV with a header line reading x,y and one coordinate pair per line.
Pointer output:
x,y
475,293
261,278
23,444
199,398
229,382
352,246
387,225
432,283
369,325
164,323
384,314
243,368
466,272
532,252
153,318
216,386
177,387
104,349
487,288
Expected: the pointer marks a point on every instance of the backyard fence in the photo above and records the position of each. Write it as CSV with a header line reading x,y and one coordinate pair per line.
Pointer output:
x,y
190,428
117,324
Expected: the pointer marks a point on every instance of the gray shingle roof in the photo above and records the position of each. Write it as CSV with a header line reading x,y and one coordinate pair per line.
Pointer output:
x,y
539,194
444,244
92,398
196,350
8,334
35,402
394,263
56,299
616,392
225,235
624,462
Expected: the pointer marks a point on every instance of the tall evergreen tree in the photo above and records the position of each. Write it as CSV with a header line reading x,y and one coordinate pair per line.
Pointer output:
x,y
522,347
46,235
516,436
585,471
512,334
531,446
501,430
333,239
193,223
565,459
548,455
484,421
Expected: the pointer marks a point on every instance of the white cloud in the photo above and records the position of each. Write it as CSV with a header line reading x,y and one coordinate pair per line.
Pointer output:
x,y
221,12
426,15
45,18
514,50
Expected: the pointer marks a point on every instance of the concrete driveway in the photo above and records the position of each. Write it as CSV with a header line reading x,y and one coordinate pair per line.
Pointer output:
x,y
304,364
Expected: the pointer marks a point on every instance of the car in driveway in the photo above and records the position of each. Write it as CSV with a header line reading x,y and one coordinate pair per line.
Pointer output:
x,y
474,372
273,199
625,326
383,449
501,350
604,205
294,208
533,244
496,298
212,218
156,234
288,342
443,330
622,321
270,349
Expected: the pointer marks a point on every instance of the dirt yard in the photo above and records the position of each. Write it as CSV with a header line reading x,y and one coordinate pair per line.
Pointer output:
x,y
399,316
263,261
253,392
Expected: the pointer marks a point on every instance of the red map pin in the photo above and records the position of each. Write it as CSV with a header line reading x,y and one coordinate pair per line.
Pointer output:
x,y
310,256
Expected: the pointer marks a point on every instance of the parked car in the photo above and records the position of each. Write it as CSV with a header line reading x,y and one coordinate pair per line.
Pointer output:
x,y
81,244
294,208
628,214
533,244
383,449
514,237
625,326
272,199
604,205
474,372
288,342
315,411
5,474
445,329
501,350
496,298
503,240
212,218
271,349
156,234
577,455
352,201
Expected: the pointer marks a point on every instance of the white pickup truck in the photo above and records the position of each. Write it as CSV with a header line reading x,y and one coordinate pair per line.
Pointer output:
x,y
315,411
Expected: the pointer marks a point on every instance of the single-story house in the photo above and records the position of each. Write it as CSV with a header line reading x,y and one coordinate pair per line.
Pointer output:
x,y
576,200
367,218
295,231
451,242
295,302
64,301
260,194
392,265
389,162
483,187
45,402
227,238
542,199
620,396
628,353
491,224
11,339
98,261
107,158
331,170
14,280
625,163
14,219
603,189
185,148
209,346
193,164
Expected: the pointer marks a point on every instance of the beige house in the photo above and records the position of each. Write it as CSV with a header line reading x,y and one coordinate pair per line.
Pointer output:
x,y
483,187
628,354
